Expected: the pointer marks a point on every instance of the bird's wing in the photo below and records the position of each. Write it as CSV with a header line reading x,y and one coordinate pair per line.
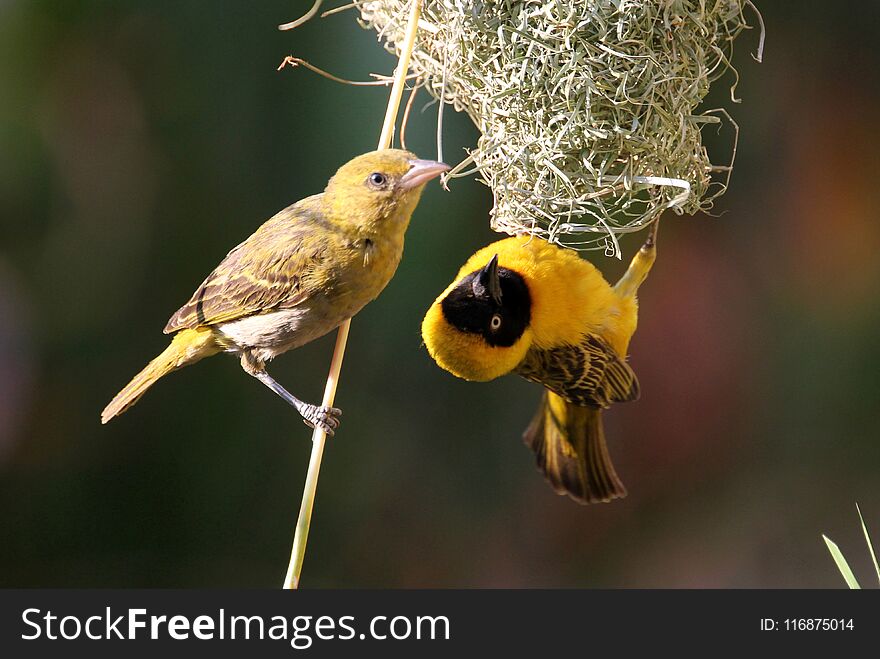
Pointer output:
x,y
589,373
273,269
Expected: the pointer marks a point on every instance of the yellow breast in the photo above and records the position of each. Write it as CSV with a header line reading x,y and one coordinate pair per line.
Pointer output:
x,y
569,299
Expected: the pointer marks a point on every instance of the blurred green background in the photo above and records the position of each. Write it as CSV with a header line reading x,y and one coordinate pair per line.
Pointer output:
x,y
139,141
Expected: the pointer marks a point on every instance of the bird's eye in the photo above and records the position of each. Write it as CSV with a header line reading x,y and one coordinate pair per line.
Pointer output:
x,y
495,322
377,179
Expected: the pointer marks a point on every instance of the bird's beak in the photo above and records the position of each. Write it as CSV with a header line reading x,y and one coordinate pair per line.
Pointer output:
x,y
487,281
421,172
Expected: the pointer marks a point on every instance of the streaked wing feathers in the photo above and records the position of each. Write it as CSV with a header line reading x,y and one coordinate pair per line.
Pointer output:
x,y
273,269
589,373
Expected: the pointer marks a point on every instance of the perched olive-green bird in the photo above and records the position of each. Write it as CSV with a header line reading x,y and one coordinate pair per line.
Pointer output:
x,y
300,275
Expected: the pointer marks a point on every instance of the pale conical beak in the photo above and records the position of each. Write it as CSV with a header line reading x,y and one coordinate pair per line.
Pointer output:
x,y
421,172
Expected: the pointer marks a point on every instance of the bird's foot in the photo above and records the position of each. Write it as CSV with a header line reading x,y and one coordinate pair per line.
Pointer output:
x,y
325,418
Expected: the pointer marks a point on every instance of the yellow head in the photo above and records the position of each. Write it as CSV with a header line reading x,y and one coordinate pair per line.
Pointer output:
x,y
380,187
549,296
479,327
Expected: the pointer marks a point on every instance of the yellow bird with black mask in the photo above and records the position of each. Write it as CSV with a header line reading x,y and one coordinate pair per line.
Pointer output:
x,y
522,305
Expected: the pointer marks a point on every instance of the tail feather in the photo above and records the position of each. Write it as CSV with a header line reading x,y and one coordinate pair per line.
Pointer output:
x,y
187,347
569,445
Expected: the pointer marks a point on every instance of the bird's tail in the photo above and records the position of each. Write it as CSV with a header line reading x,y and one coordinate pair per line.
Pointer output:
x,y
187,347
569,445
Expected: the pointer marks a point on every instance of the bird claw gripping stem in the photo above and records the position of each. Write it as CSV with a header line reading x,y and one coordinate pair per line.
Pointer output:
x,y
325,418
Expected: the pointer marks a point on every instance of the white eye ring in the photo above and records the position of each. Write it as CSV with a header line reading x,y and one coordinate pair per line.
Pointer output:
x,y
377,179
495,322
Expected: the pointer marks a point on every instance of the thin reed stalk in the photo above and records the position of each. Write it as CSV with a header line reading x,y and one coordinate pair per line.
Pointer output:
x,y
301,536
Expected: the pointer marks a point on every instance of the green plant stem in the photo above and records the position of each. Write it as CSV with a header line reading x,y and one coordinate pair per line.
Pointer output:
x,y
301,536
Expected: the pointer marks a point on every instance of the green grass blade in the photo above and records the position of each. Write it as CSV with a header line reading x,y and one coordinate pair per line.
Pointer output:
x,y
842,565
868,540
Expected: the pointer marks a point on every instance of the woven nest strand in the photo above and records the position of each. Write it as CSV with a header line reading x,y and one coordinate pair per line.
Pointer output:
x,y
586,108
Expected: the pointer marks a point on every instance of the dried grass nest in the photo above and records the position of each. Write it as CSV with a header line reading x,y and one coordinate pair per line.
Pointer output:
x,y
587,108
